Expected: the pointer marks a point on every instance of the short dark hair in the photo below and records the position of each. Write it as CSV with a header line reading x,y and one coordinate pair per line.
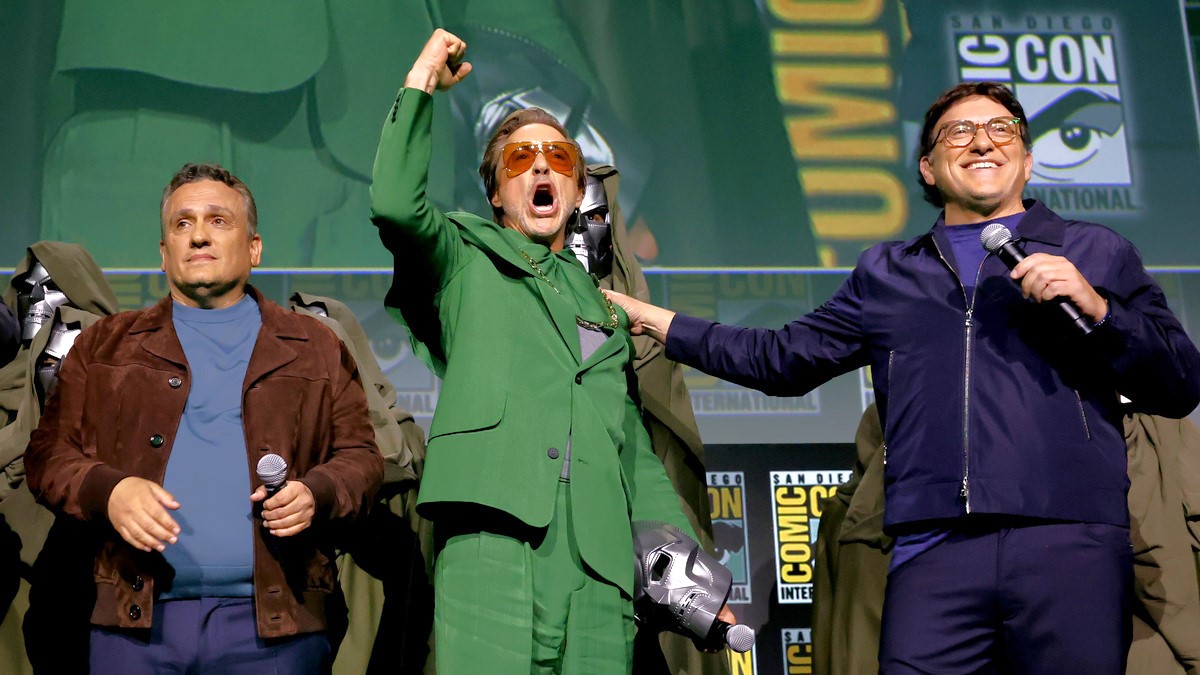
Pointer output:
x,y
194,173
993,90
495,147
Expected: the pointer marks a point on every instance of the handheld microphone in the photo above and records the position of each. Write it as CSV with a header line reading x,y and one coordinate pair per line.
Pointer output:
x,y
272,471
738,637
997,239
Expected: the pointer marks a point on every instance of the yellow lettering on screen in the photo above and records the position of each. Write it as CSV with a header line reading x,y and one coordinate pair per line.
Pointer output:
x,y
799,661
825,132
714,502
872,184
740,663
794,528
818,494
796,574
825,11
731,503
829,43
793,497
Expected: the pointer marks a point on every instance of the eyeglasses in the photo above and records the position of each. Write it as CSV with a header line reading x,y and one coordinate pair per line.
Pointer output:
x,y
560,155
961,133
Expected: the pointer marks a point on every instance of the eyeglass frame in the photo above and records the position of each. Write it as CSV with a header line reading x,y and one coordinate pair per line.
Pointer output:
x,y
945,138
541,146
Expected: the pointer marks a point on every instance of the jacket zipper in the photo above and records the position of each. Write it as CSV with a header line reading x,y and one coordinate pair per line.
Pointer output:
x,y
965,491
1083,415
883,422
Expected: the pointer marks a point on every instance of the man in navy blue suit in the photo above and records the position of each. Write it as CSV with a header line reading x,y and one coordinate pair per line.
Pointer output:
x,y
1005,464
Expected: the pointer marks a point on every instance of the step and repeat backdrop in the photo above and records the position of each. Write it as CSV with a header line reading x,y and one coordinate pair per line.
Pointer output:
x,y
762,146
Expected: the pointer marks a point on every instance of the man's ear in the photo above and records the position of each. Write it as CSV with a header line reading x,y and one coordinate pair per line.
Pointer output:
x,y
926,170
255,251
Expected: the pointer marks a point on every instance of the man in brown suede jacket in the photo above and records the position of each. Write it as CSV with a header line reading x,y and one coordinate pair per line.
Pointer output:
x,y
152,436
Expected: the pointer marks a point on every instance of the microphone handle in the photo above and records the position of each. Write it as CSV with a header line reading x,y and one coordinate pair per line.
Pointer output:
x,y
719,635
272,489
1011,254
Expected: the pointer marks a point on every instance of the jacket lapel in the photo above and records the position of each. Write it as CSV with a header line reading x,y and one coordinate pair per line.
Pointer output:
x,y
272,350
486,235
163,343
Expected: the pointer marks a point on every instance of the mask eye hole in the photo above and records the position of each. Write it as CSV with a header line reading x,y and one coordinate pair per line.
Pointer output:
x,y
659,568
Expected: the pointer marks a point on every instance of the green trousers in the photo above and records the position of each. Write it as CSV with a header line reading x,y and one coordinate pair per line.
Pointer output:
x,y
505,604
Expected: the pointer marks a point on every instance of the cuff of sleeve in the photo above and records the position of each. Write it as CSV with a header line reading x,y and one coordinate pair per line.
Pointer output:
x,y
684,335
323,489
1107,313
97,487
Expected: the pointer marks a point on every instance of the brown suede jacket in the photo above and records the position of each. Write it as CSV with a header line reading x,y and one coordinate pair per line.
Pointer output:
x,y
115,412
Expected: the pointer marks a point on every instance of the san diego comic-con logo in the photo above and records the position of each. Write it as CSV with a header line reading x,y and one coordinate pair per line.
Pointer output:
x,y
1064,70
797,504
727,504
797,651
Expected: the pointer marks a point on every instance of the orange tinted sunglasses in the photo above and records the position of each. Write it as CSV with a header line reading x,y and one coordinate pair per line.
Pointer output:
x,y
560,155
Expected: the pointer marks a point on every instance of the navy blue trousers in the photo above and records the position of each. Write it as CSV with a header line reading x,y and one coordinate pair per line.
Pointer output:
x,y
1044,598
205,635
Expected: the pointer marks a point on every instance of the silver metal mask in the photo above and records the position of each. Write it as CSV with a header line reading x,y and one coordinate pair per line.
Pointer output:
x,y
37,298
62,338
317,308
675,581
589,237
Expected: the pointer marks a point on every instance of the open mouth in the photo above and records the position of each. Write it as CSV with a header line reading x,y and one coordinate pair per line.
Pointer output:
x,y
542,201
973,166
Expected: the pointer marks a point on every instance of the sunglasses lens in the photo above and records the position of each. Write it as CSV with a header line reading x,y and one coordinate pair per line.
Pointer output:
x,y
560,157
518,157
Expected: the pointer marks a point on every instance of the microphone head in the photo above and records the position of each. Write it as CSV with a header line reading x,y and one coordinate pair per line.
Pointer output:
x,y
994,236
272,470
740,637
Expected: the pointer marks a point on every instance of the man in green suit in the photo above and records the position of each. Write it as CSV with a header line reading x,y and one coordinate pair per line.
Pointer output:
x,y
538,460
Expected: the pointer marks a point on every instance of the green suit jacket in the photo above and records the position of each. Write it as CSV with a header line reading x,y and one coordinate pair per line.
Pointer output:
x,y
514,384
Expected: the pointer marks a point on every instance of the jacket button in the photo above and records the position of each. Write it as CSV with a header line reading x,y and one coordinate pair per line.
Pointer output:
x,y
175,382
138,583
552,453
156,441
579,379
135,612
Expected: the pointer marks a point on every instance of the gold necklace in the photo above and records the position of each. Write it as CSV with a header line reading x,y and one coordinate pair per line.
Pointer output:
x,y
612,322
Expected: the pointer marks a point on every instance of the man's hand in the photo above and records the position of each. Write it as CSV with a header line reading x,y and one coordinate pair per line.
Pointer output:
x,y
725,615
1045,277
440,64
644,318
137,509
290,511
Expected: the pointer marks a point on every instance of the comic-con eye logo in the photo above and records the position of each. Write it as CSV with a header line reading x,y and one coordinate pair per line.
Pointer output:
x,y
1068,84
727,505
797,503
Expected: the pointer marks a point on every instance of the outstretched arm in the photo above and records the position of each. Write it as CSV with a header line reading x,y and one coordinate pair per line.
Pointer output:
x,y
644,318
787,361
426,245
